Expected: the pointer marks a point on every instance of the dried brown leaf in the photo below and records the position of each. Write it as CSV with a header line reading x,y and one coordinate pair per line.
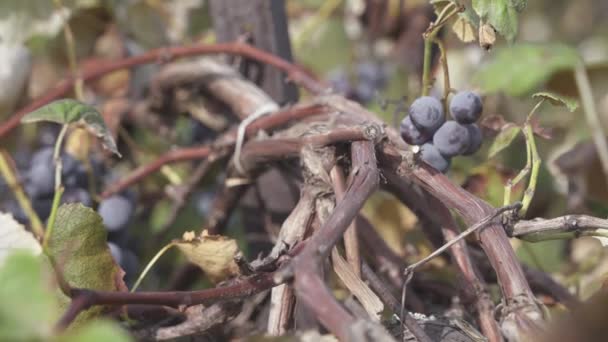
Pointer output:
x,y
214,254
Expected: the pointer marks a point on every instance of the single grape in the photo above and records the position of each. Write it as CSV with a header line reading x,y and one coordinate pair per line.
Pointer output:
x,y
476,139
451,139
4,189
427,114
116,252
116,212
47,134
42,207
77,195
364,92
200,133
373,73
466,107
11,206
126,259
43,156
22,157
339,81
41,174
73,172
430,155
412,135
203,202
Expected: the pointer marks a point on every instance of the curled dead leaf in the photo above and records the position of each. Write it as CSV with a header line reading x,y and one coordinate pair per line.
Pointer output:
x,y
493,123
214,254
487,36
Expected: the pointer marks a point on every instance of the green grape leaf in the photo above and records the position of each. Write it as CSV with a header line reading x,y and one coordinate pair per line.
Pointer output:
x,y
501,14
96,331
521,68
13,236
503,139
519,5
69,111
558,100
79,247
29,308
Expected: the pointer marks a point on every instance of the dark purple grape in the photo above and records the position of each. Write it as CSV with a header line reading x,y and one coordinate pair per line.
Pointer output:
x,y
77,195
451,139
42,207
476,139
73,172
430,155
364,92
115,251
43,156
4,189
41,174
22,157
116,212
427,114
11,206
47,135
339,81
372,73
411,134
203,202
201,133
126,259
466,107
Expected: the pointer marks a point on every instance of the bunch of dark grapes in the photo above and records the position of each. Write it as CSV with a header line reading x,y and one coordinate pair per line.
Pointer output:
x,y
440,140
37,176
366,80
37,172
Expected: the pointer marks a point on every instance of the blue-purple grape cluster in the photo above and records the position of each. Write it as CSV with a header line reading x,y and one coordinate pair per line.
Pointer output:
x,y
366,80
36,171
441,139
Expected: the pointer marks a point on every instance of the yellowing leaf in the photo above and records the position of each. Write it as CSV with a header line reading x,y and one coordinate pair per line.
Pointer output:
x,y
79,248
214,254
13,236
487,36
464,29
78,144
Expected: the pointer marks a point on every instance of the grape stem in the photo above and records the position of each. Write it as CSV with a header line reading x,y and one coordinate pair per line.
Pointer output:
x,y
591,114
484,222
532,166
446,74
150,264
429,36
58,186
